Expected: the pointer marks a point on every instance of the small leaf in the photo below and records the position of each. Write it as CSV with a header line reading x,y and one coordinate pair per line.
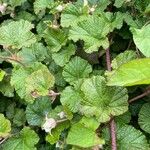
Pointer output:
x,y
5,126
63,56
56,132
81,136
129,73
93,32
36,52
55,39
119,3
36,112
40,5
144,117
76,69
25,140
2,74
73,14
71,98
141,38
17,34
19,117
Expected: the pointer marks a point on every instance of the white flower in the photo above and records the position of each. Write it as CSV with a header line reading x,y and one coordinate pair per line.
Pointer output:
x,y
62,114
49,124
59,8
3,8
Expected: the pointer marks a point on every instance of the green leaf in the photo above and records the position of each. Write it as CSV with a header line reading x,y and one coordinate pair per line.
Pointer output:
x,y
94,98
130,138
141,38
56,132
34,53
76,69
55,39
5,126
123,58
17,34
103,101
40,81
73,14
35,78
25,140
36,112
93,32
15,3
144,117
6,88
19,117
40,5
2,74
80,135
63,56
119,3
70,98
129,73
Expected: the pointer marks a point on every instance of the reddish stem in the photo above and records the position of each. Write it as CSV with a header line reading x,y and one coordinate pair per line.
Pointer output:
x,y
147,92
112,122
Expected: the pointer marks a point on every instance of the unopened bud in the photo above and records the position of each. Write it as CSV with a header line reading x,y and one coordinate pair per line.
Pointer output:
x,y
3,8
61,115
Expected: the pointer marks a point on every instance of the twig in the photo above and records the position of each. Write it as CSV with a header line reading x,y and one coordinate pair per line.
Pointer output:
x,y
2,141
11,59
112,122
147,92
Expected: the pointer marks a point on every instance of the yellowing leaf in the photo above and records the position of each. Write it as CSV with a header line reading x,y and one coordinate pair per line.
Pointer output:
x,y
5,126
134,72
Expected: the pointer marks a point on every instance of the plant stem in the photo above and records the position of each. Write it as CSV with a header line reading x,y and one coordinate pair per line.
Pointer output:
x,y
147,92
112,124
11,59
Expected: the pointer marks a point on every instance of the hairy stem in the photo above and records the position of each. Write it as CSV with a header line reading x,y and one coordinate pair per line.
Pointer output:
x,y
112,124
147,92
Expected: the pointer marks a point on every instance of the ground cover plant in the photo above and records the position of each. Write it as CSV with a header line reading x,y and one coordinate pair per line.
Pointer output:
x,y
74,75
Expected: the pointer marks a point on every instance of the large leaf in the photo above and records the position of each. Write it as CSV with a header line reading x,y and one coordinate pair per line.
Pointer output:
x,y
132,73
5,126
93,32
17,34
130,138
82,136
141,38
62,57
95,98
55,39
25,140
35,78
36,112
103,101
144,117
76,69
73,14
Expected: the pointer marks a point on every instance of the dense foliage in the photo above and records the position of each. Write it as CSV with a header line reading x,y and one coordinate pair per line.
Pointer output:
x,y
58,89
